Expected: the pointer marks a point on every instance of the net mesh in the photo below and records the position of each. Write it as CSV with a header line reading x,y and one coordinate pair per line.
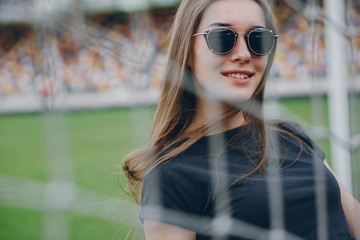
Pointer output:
x,y
58,57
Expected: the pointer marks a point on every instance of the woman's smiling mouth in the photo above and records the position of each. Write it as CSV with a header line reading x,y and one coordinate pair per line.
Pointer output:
x,y
239,77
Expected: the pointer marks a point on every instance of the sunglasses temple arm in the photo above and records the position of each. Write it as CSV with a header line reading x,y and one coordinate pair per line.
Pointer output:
x,y
197,34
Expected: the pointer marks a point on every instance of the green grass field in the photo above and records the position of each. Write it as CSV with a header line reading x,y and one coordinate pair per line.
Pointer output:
x,y
95,143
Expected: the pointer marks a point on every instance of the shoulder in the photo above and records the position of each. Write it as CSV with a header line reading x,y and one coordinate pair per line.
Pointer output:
x,y
292,130
293,133
289,126
181,184
175,191
185,173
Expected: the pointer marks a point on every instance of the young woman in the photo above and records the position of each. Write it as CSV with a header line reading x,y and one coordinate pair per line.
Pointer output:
x,y
214,168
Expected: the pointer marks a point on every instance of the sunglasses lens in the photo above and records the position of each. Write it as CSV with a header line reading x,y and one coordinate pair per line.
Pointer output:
x,y
221,40
261,41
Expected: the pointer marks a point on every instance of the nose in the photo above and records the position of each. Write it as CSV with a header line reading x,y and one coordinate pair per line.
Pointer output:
x,y
241,52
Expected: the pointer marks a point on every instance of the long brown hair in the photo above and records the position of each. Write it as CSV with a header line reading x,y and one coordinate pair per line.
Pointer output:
x,y
176,108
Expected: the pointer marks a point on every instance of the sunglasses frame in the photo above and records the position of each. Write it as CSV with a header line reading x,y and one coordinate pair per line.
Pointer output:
x,y
236,34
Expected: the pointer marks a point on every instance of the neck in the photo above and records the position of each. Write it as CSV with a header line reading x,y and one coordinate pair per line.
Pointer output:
x,y
210,112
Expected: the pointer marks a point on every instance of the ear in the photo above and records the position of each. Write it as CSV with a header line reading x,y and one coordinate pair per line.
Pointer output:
x,y
190,61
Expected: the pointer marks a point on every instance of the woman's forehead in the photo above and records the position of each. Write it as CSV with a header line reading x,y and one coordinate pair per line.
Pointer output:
x,y
233,12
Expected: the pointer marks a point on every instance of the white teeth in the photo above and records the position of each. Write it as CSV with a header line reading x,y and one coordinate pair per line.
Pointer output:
x,y
237,75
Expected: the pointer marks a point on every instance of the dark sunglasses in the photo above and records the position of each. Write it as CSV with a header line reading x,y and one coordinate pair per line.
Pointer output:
x,y
222,40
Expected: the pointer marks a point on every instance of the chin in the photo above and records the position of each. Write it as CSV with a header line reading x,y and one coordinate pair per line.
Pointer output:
x,y
236,100
238,96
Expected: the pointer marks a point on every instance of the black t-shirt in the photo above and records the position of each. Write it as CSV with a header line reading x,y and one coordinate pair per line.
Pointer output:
x,y
294,194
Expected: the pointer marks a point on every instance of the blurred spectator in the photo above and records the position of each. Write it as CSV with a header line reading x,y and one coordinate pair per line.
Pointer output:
x,y
117,50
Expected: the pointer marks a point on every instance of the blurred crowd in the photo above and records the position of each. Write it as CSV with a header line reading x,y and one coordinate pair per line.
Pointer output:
x,y
102,53
301,52
81,57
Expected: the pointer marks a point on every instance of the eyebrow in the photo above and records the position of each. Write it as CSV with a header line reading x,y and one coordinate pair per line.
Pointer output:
x,y
219,24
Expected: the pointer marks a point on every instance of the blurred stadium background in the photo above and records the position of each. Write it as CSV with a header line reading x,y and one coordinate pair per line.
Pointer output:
x,y
79,81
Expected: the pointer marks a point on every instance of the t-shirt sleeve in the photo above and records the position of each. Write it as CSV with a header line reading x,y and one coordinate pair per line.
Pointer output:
x,y
300,132
170,197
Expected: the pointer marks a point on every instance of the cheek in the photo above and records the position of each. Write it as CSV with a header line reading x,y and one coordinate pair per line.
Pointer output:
x,y
261,63
201,55
206,68
203,62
